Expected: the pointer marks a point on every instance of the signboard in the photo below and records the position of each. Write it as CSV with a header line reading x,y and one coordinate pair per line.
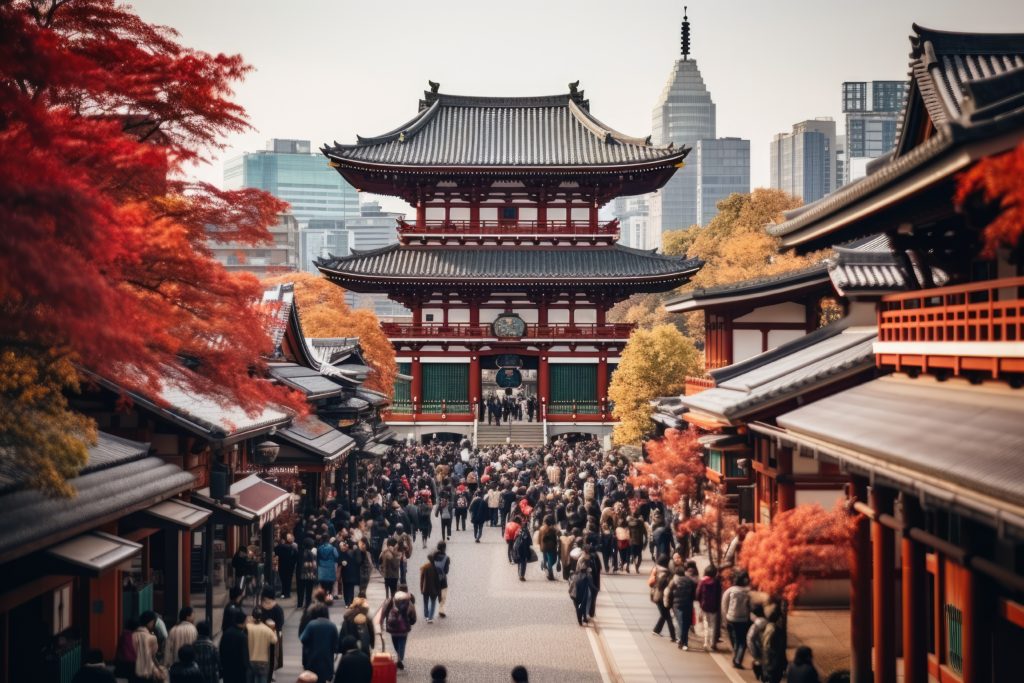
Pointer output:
x,y
508,325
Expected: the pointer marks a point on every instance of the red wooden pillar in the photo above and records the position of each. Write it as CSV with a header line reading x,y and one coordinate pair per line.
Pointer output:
x,y
474,214
784,480
915,644
602,314
860,591
416,386
542,214
543,390
421,214
883,555
474,383
474,311
602,384
593,216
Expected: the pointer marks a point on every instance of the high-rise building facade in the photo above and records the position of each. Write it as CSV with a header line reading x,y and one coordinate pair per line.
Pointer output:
x,y
722,168
872,112
684,114
288,170
803,161
320,238
635,228
281,255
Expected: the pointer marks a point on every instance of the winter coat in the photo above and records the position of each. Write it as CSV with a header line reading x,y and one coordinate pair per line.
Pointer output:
x,y
443,564
391,563
754,635
773,645
709,595
802,673
659,582
548,538
522,544
319,643
354,667
736,604
400,627
357,623
478,511
581,587
327,562
430,580
234,655
350,573
637,531
680,593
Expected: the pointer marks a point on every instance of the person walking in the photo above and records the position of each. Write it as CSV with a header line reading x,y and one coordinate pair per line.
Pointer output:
x,y
547,537
307,573
679,596
287,553
423,517
581,588
522,548
479,514
234,650
232,608
273,615
657,582
493,498
354,665
754,642
709,596
399,616
182,633
391,566
261,641
637,540
443,564
802,669
461,509
146,648
327,566
319,642
773,646
348,571
736,610
365,565
206,653
430,588
511,531
356,623
443,511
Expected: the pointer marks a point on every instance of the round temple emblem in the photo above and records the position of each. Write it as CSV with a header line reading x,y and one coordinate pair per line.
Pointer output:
x,y
508,325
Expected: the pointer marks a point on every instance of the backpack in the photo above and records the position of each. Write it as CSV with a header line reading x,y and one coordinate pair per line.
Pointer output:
x,y
460,502
396,621
309,566
439,566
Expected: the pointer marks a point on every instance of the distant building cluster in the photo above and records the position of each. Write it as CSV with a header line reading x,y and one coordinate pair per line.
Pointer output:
x,y
325,217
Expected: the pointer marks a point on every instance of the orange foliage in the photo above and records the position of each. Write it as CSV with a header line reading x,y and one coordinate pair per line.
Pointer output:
x,y
994,188
805,539
674,466
714,523
324,313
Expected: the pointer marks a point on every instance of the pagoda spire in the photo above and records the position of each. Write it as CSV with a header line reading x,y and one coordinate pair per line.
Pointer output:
x,y
684,47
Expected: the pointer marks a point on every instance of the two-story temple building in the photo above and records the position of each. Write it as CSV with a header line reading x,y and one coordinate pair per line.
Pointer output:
x,y
507,268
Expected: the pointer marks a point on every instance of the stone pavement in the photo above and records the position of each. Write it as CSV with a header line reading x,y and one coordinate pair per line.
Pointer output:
x,y
494,622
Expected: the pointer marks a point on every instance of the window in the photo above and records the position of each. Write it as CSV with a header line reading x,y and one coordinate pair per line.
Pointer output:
x,y
428,317
509,213
62,609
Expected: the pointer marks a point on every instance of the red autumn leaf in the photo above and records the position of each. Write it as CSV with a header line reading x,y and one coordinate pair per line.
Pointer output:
x,y
992,192
674,466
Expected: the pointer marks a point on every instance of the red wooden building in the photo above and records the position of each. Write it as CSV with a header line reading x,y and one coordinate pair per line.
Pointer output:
x,y
507,269
934,448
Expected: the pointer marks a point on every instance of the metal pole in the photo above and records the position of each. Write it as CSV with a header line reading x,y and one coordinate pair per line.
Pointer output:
x,y
208,549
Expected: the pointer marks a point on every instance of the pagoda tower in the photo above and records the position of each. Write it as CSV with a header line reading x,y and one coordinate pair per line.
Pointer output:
x,y
507,268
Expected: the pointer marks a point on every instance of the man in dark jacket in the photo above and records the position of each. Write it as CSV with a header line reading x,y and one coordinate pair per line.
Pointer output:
x,y
185,670
233,608
287,552
678,597
319,643
478,514
234,650
354,666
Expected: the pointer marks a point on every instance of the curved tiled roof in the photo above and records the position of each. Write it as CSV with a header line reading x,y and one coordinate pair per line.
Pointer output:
x,y
756,287
461,131
496,266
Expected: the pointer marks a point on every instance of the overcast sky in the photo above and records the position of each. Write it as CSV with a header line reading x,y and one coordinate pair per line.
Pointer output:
x,y
327,70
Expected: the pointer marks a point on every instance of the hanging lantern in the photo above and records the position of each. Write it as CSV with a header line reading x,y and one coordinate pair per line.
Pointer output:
x,y
266,453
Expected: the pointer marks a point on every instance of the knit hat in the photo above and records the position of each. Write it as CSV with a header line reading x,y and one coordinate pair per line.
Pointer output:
x,y
401,595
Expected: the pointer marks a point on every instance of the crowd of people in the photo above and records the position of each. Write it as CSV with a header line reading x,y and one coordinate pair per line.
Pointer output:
x,y
568,507
503,408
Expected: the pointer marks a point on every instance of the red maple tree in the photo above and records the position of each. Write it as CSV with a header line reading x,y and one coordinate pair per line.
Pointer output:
x,y
800,543
674,466
992,191
103,256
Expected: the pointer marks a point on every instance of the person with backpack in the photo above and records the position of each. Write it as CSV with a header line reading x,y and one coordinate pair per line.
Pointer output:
x,y
399,616
479,514
423,517
391,566
461,509
736,610
443,564
430,588
581,588
444,512
709,596
522,548
511,531
357,624
365,566
658,582
547,537
754,645
773,646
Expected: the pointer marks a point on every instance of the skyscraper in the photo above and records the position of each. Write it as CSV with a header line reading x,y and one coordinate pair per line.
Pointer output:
x,y
287,170
320,238
803,161
722,168
280,255
683,115
872,115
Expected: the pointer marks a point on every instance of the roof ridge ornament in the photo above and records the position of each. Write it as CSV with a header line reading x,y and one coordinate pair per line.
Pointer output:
x,y
576,95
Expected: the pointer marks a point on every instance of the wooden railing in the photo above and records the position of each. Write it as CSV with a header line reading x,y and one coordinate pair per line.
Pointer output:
x,y
695,385
467,330
972,326
507,227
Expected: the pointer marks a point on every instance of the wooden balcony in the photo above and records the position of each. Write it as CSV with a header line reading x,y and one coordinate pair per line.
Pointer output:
x,y
517,231
974,328
695,385
470,331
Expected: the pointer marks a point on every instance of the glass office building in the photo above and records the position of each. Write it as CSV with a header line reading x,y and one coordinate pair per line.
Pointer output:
x,y
722,168
292,172
872,112
803,161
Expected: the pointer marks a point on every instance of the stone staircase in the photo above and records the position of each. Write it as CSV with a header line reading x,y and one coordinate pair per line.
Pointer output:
x,y
529,434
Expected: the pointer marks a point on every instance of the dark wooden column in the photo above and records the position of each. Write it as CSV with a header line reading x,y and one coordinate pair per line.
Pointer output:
x,y
543,389
860,591
474,383
784,480
883,555
416,386
602,382
915,642
172,573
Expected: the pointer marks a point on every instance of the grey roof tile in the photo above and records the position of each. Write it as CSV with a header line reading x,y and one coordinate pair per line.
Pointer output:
x,y
304,379
503,132
314,435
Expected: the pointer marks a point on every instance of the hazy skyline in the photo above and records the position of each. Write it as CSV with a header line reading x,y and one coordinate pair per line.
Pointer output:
x,y
326,71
